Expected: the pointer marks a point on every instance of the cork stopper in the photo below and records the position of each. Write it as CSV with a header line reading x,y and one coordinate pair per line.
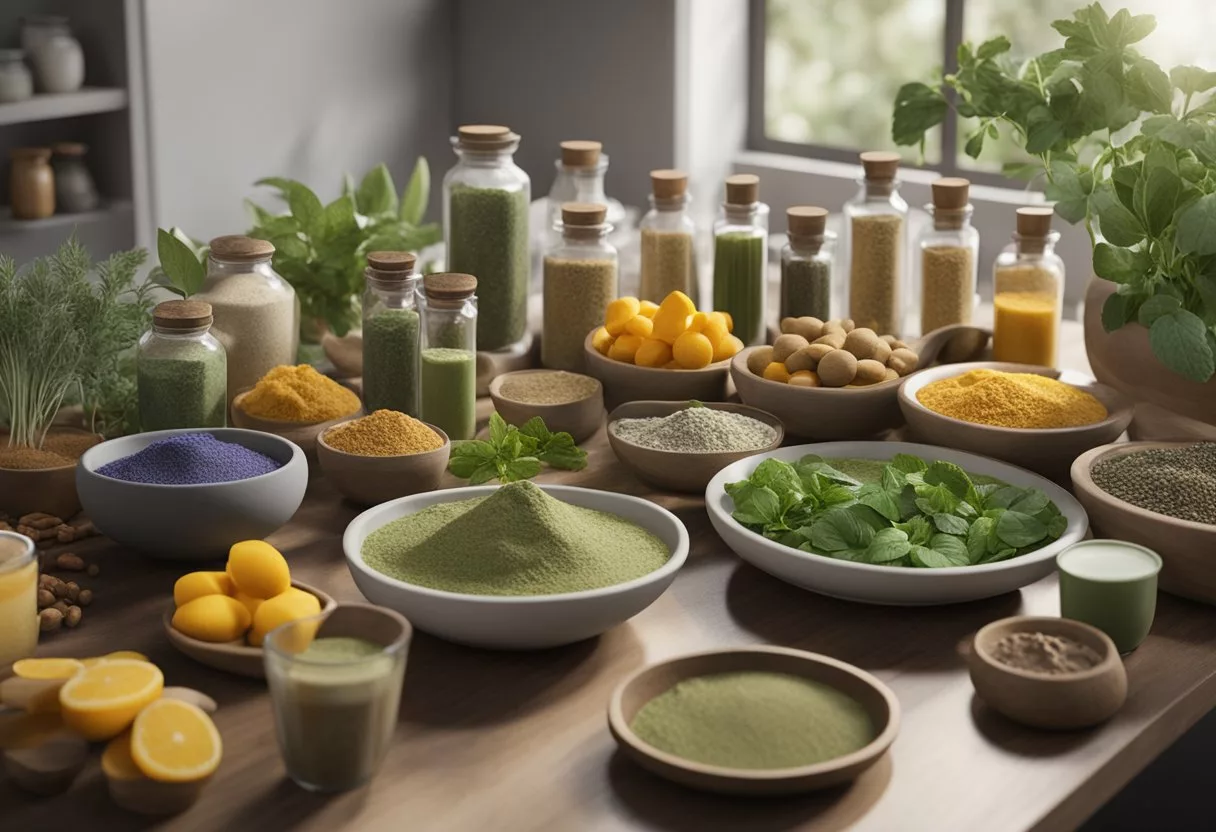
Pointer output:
x,y
951,193
485,136
880,164
668,184
742,189
583,214
392,261
806,221
1034,221
449,286
182,314
69,148
236,248
580,154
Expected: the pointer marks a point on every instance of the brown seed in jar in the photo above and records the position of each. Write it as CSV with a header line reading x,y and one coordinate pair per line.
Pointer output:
x,y
759,358
869,371
787,345
862,342
837,368
834,339
50,620
803,359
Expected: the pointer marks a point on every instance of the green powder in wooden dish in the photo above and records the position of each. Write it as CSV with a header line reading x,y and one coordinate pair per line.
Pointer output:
x,y
517,541
754,720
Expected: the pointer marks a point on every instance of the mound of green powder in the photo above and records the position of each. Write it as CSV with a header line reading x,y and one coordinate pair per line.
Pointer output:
x,y
754,719
517,541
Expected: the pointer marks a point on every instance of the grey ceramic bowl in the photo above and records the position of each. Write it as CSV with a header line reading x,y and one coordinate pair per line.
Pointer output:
x,y
191,522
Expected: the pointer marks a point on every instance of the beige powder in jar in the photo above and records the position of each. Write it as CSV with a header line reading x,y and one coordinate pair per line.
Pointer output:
x,y
875,271
258,324
576,293
668,265
947,293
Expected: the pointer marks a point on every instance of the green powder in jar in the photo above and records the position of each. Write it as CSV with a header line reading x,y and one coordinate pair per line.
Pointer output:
x,y
390,361
449,391
697,430
669,264
806,289
488,238
1176,482
754,720
576,294
185,391
739,283
517,541
876,255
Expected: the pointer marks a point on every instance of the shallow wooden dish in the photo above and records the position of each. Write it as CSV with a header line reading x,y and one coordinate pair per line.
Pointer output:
x,y
1049,451
53,490
580,418
235,657
688,472
1059,702
645,684
1185,547
376,479
629,382
303,434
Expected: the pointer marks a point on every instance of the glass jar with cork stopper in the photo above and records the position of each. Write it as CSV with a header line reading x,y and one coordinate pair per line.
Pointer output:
x,y
669,259
741,258
485,222
181,369
875,221
1028,292
448,303
390,332
581,168
580,282
806,264
948,254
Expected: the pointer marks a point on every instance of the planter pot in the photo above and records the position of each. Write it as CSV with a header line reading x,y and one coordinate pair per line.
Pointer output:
x,y
1167,405
53,490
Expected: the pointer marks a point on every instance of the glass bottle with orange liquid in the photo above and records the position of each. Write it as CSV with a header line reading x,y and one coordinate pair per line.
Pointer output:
x,y
1028,292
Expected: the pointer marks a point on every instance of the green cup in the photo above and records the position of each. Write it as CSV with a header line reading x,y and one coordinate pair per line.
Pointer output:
x,y
1112,585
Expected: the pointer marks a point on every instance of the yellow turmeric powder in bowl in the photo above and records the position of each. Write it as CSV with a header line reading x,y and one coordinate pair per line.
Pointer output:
x,y
383,433
1011,400
299,394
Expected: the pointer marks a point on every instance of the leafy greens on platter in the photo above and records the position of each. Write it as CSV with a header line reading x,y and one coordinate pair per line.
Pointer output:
x,y
919,514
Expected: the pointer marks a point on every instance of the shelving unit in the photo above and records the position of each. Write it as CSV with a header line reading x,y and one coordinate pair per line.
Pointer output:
x,y
64,105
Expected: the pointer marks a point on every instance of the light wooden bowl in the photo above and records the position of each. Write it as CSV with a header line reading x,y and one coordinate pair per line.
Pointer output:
x,y
644,685
234,657
1185,547
673,471
1060,702
370,480
1049,451
629,382
579,418
303,434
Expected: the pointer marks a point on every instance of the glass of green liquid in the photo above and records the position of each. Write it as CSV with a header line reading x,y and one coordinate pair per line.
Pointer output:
x,y
335,687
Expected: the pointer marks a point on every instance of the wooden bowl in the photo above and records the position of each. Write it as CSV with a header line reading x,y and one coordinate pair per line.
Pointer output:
x,y
629,382
1060,702
1049,451
1185,546
377,479
235,657
675,471
52,490
644,685
303,434
580,418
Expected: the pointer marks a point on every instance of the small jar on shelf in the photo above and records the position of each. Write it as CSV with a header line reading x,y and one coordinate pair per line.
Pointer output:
x,y
16,82
807,262
448,303
741,258
669,258
181,369
580,282
390,332
875,222
75,191
1028,292
948,253
31,183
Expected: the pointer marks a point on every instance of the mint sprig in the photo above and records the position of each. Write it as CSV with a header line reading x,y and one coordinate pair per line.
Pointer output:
x,y
515,453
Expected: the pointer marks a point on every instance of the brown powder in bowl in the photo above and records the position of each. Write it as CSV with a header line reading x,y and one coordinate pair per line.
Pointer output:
x,y
57,450
548,387
1043,653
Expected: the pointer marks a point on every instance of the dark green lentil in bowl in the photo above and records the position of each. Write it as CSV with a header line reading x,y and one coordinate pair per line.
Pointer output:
x,y
1177,482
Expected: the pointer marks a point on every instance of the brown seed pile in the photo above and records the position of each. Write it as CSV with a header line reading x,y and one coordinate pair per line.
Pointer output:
x,y
58,450
947,287
47,530
548,388
875,271
61,603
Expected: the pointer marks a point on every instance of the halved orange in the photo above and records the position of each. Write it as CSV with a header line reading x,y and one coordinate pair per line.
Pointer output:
x,y
117,654
175,742
47,668
117,762
102,701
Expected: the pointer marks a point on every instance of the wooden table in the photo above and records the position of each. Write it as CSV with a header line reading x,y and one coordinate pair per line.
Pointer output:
x,y
519,741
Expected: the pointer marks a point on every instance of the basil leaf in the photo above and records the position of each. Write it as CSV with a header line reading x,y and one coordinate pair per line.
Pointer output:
x,y
1179,341
893,479
777,475
483,473
918,107
498,429
535,427
936,499
950,524
840,529
376,193
977,538
882,501
179,263
417,193
1003,497
1195,223
1017,529
908,464
930,558
523,468
952,548
836,495
951,476
758,507
1117,224
918,529
1032,501
1121,265
1192,79
887,545
561,452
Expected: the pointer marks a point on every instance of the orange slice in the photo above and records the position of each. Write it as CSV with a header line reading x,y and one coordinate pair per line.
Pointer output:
x,y
175,742
102,701
117,762
47,668
117,654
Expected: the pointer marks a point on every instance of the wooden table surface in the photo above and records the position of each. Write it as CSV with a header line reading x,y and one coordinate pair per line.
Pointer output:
x,y
519,741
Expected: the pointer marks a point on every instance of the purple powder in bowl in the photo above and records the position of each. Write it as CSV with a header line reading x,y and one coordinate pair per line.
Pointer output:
x,y
190,459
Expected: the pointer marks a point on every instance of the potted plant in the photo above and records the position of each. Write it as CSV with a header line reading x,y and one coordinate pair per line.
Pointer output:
x,y
1128,150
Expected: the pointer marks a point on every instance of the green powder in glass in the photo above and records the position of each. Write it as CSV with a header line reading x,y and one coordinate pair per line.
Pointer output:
x,y
449,391
488,238
739,283
806,289
754,720
517,541
186,391
340,650
390,361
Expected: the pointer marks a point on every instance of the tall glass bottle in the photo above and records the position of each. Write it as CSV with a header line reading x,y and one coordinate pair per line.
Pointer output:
x,y
485,221
875,221
449,353
807,263
741,258
390,333
580,281
669,259
948,254
1028,292
181,369
581,168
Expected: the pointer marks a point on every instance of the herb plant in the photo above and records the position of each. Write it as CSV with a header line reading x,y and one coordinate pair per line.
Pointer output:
x,y
1123,146
918,515
515,453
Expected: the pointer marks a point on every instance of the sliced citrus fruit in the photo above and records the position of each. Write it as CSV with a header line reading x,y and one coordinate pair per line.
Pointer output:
x,y
101,701
117,762
47,668
175,742
117,654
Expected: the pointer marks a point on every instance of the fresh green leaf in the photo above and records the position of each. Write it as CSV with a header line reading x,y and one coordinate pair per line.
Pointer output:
x,y
1032,501
952,547
468,456
523,468
840,529
1121,265
918,529
950,524
1156,195
1118,225
1195,225
561,452
932,559
376,193
993,47
977,538
936,499
1179,341
417,193
1003,497
536,428
498,429
908,464
887,545
1018,530
1070,190
179,263
1156,306
918,108
1192,79
484,472
759,507
951,476
975,144
1148,87
879,499
1116,312
778,475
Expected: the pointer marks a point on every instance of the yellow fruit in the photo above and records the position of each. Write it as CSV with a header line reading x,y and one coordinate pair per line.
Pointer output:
x,y
652,353
214,618
672,365
693,351
715,329
117,654
805,378
250,603
274,612
730,322
117,762
728,347
619,312
673,317
776,372
175,742
47,668
197,584
698,322
101,702
640,326
258,569
647,308
624,348
601,341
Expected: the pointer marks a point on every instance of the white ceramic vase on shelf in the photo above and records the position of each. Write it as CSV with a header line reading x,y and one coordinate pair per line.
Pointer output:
x,y
16,83
59,64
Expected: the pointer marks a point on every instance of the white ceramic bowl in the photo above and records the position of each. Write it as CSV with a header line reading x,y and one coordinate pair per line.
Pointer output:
x,y
896,585
511,622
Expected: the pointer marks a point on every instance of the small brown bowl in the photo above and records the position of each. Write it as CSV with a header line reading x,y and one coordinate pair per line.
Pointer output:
x,y
371,480
235,657
1058,702
303,434
644,685
579,418
629,382
1185,546
1048,451
676,471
